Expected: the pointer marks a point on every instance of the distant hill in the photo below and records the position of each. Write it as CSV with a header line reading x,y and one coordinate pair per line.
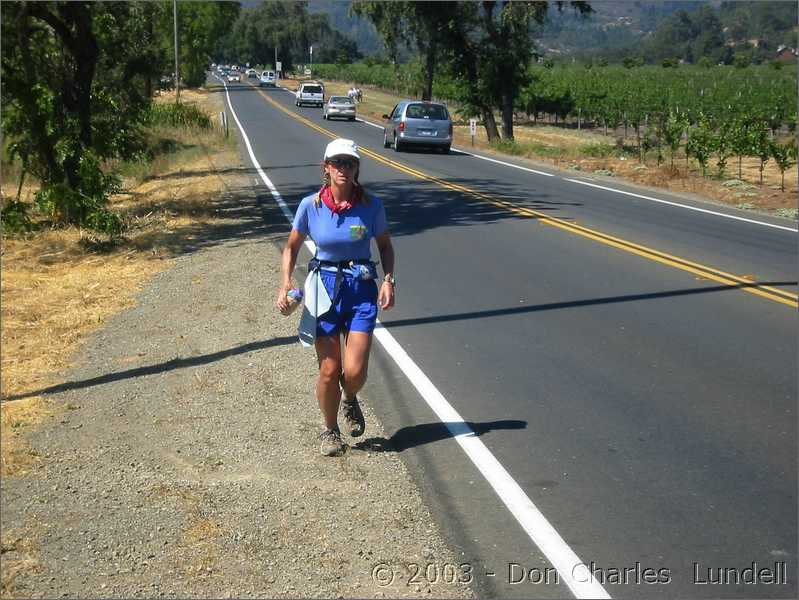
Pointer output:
x,y
612,24
683,30
615,20
618,28
356,28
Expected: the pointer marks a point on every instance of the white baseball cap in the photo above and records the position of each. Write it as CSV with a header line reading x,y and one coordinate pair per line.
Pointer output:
x,y
341,147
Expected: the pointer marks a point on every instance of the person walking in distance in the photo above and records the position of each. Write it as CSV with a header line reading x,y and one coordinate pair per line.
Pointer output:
x,y
342,219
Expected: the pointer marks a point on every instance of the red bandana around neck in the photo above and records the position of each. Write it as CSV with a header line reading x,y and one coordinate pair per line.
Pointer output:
x,y
326,195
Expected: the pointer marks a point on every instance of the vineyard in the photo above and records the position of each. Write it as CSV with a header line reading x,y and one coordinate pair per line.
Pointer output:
x,y
709,114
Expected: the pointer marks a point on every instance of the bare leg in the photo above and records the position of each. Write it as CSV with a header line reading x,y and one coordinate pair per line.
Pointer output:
x,y
328,353
356,361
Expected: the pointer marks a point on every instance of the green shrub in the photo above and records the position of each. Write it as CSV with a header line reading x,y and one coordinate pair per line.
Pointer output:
x,y
515,148
599,150
14,218
179,115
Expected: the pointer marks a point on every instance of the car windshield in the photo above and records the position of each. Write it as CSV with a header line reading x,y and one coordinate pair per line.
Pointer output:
x,y
312,89
426,111
341,100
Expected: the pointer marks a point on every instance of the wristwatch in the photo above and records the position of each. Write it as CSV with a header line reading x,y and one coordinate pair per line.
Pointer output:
x,y
389,278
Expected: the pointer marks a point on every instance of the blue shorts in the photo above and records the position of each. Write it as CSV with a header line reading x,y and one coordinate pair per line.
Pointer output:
x,y
354,306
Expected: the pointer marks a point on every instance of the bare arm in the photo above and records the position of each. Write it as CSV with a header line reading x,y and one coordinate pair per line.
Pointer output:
x,y
289,260
386,294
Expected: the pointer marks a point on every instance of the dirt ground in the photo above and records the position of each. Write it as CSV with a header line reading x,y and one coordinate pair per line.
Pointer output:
x,y
565,143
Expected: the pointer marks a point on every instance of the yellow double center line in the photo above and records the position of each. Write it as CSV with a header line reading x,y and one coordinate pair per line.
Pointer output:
x,y
713,274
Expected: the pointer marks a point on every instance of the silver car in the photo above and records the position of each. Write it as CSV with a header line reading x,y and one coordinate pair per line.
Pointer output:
x,y
339,107
267,79
413,122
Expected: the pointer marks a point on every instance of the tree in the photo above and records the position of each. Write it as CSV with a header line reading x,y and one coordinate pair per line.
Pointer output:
x,y
428,24
785,157
200,24
389,20
672,131
507,44
722,146
488,44
50,55
284,28
761,145
76,92
740,140
700,144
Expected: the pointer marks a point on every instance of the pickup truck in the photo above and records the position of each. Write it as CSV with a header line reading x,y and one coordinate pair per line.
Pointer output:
x,y
310,93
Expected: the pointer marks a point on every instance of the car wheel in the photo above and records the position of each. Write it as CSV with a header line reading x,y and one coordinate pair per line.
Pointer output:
x,y
352,118
445,149
385,140
397,145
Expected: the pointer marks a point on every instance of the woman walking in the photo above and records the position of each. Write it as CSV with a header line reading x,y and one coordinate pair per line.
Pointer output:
x,y
342,219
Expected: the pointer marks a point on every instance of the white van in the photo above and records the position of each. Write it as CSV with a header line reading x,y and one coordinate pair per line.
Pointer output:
x,y
267,79
310,92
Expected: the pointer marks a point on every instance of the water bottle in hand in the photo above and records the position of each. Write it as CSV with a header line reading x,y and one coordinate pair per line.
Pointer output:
x,y
294,298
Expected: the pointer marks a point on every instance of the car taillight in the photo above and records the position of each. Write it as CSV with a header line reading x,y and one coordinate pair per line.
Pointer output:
x,y
402,126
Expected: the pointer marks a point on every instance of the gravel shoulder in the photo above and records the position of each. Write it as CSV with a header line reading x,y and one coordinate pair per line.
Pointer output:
x,y
185,461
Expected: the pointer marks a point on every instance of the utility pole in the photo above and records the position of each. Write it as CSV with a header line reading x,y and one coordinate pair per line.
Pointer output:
x,y
311,65
177,66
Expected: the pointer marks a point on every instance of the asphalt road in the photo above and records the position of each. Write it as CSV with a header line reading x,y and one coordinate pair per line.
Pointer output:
x,y
611,352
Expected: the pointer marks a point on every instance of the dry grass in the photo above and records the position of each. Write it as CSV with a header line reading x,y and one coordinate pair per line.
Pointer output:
x,y
19,556
60,285
16,455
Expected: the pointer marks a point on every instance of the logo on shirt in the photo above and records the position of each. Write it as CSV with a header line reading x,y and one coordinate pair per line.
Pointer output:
x,y
357,232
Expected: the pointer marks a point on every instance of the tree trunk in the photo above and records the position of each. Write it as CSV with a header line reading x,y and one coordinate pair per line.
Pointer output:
x,y
429,68
44,146
507,115
25,171
638,141
491,125
148,81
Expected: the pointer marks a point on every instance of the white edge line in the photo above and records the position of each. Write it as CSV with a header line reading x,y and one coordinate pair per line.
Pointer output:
x,y
703,210
571,569
569,566
365,122
506,164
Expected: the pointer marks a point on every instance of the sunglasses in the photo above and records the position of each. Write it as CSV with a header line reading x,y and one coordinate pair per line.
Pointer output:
x,y
343,163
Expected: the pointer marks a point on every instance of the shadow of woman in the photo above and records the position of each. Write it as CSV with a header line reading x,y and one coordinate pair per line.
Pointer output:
x,y
425,433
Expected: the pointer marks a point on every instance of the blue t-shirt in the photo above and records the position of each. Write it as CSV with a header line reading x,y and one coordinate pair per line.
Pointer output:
x,y
342,236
